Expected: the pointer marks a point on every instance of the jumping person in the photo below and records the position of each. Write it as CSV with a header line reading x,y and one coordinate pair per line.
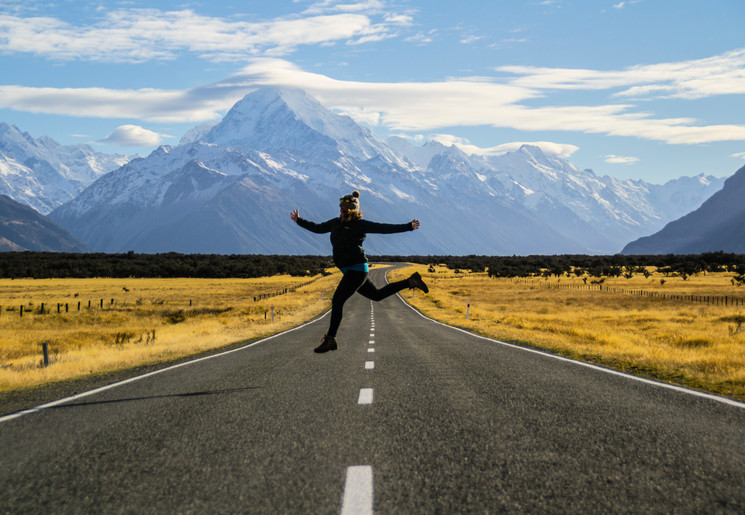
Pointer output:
x,y
348,231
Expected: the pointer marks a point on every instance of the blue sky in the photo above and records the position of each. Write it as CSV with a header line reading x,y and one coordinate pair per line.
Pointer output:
x,y
641,89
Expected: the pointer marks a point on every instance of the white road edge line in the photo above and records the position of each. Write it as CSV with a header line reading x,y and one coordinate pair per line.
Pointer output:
x,y
358,491
680,389
81,395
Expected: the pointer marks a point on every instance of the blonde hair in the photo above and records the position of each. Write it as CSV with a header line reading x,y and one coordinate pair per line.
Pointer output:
x,y
351,216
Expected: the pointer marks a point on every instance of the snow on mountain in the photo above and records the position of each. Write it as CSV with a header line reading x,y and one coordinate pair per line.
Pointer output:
x,y
229,188
196,133
602,213
274,119
419,156
43,174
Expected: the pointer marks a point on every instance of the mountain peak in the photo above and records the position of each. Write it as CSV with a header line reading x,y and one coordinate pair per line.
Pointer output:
x,y
287,119
532,150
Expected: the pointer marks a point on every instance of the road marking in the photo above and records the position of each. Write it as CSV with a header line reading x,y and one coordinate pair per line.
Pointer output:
x,y
358,491
369,365
679,389
371,342
370,350
366,396
81,395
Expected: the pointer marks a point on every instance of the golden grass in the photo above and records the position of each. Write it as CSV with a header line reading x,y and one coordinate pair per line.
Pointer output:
x,y
688,343
150,321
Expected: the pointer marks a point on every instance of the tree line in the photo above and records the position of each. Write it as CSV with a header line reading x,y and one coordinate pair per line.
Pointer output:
x,y
615,265
40,265
43,265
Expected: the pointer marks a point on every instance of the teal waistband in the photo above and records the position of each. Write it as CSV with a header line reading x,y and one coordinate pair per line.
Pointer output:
x,y
360,267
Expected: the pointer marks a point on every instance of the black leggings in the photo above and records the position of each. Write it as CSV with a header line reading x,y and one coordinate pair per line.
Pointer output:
x,y
353,281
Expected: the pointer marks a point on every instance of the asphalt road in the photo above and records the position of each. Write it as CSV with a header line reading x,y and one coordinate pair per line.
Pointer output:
x,y
433,421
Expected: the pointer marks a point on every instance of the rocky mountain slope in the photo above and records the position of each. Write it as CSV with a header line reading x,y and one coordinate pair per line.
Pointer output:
x,y
719,224
23,228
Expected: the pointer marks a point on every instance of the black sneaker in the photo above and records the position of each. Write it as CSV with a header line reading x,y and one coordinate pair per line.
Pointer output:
x,y
415,281
328,343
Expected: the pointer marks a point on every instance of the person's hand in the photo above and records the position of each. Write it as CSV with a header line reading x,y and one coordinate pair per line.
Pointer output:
x,y
294,215
414,225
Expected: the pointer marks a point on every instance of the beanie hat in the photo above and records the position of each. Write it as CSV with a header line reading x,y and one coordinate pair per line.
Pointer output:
x,y
351,202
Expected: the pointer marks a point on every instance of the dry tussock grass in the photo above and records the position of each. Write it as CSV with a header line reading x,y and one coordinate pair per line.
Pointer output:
x,y
151,320
688,343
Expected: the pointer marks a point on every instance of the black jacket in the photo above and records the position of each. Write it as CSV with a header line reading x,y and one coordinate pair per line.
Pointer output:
x,y
347,237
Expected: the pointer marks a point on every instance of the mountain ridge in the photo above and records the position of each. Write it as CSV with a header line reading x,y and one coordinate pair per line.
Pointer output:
x,y
280,149
43,174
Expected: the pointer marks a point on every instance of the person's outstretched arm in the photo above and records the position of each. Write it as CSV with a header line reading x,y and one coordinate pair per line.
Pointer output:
x,y
381,228
311,226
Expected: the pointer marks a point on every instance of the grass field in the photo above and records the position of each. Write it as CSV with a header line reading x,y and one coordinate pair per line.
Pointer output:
x,y
149,321
689,343
694,344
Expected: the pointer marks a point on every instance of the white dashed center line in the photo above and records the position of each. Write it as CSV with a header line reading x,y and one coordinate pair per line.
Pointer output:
x,y
366,396
371,350
358,491
369,365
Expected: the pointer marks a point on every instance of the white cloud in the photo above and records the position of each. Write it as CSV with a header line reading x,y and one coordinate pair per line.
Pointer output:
x,y
741,155
718,75
619,5
479,101
417,107
133,136
144,104
334,6
613,159
466,40
420,38
137,35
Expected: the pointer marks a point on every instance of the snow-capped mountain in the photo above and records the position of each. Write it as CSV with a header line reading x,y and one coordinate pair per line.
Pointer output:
x,y
600,213
43,174
229,188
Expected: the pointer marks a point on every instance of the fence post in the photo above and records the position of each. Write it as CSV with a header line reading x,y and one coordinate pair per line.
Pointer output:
x,y
272,313
21,310
468,310
45,350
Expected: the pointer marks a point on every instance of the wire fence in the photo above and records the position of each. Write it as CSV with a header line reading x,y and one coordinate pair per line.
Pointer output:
x,y
715,300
